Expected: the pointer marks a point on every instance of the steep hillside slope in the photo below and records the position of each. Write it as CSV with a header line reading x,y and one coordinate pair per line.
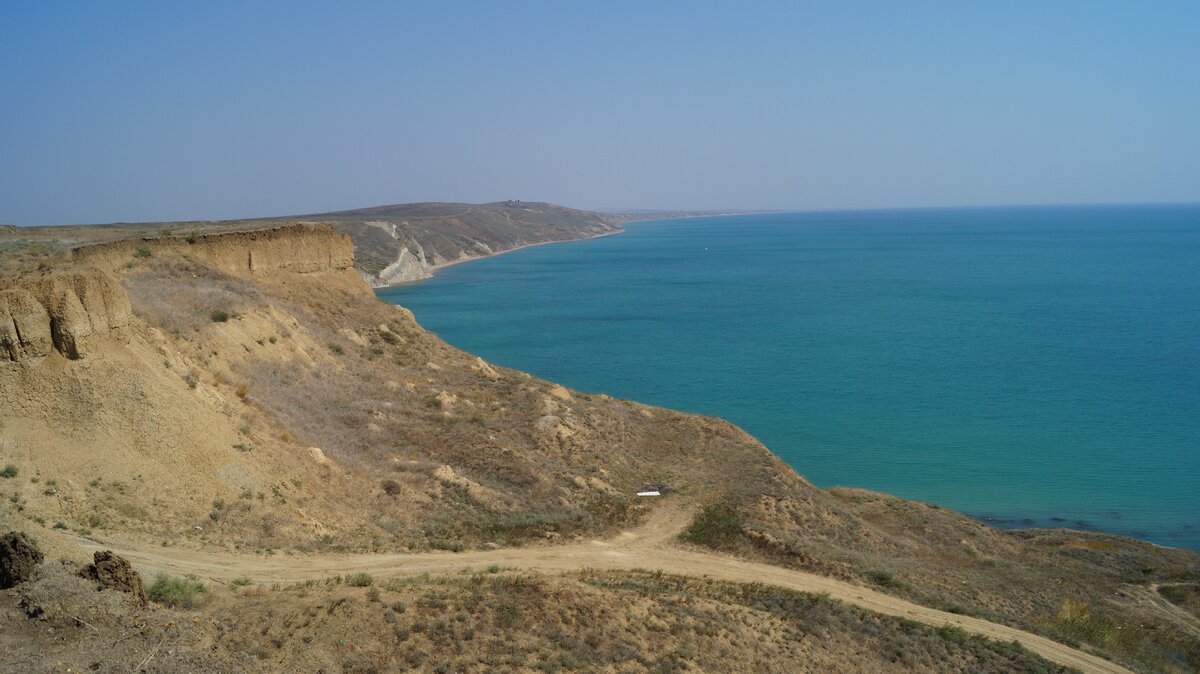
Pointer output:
x,y
246,391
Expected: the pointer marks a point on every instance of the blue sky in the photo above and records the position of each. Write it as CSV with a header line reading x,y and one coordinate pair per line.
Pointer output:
x,y
149,111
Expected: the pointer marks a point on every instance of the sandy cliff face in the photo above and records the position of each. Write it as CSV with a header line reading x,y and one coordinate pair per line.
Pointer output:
x,y
64,312
299,249
120,421
70,311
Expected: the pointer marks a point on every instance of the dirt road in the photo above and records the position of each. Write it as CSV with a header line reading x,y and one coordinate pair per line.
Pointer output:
x,y
649,546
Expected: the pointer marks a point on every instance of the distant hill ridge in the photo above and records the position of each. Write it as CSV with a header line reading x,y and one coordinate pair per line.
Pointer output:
x,y
394,243
406,242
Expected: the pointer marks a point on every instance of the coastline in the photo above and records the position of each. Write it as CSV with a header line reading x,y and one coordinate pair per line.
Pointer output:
x,y
1152,521
434,269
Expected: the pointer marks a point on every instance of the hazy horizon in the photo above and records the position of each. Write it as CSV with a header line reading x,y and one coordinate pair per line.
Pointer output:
x,y
653,211
142,112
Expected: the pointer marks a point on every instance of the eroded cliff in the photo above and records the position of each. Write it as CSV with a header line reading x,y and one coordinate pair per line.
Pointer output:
x,y
67,312
297,248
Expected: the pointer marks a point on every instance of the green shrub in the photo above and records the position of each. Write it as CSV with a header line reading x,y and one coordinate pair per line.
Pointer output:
x,y
886,579
142,251
359,579
177,592
717,525
219,316
240,582
9,471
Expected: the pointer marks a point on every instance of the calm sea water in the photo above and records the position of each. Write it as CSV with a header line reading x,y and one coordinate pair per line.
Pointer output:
x,y
1035,366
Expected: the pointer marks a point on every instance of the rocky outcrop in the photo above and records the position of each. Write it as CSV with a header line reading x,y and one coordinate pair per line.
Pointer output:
x,y
19,558
65,312
111,572
297,248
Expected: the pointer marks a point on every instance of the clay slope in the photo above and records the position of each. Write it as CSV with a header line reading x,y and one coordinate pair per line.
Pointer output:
x,y
258,399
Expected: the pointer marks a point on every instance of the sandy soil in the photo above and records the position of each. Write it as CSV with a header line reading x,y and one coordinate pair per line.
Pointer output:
x,y
650,546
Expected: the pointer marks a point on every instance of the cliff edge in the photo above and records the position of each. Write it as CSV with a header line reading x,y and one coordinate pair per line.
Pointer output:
x,y
298,248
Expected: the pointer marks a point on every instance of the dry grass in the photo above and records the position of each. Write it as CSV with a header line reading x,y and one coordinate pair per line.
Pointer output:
x,y
494,621
182,296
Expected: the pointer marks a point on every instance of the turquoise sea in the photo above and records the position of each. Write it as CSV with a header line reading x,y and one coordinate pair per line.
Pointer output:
x,y
1029,366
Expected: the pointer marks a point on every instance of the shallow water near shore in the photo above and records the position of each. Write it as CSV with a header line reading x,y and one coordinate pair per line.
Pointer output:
x,y
1029,366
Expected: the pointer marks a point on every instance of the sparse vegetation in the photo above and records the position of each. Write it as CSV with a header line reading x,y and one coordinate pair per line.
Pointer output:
x,y
219,316
142,251
10,470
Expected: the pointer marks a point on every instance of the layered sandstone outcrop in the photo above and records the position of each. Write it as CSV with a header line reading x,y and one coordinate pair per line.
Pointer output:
x,y
298,248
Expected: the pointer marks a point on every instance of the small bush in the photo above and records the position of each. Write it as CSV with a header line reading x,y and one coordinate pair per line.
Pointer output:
x,y
240,582
177,592
886,579
391,487
219,316
954,634
359,579
389,337
142,251
336,348
717,525
9,471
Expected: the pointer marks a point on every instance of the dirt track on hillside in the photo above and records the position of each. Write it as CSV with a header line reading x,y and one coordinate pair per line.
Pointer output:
x,y
650,546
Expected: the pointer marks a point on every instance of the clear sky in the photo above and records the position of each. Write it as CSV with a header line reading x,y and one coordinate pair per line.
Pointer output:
x,y
170,110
